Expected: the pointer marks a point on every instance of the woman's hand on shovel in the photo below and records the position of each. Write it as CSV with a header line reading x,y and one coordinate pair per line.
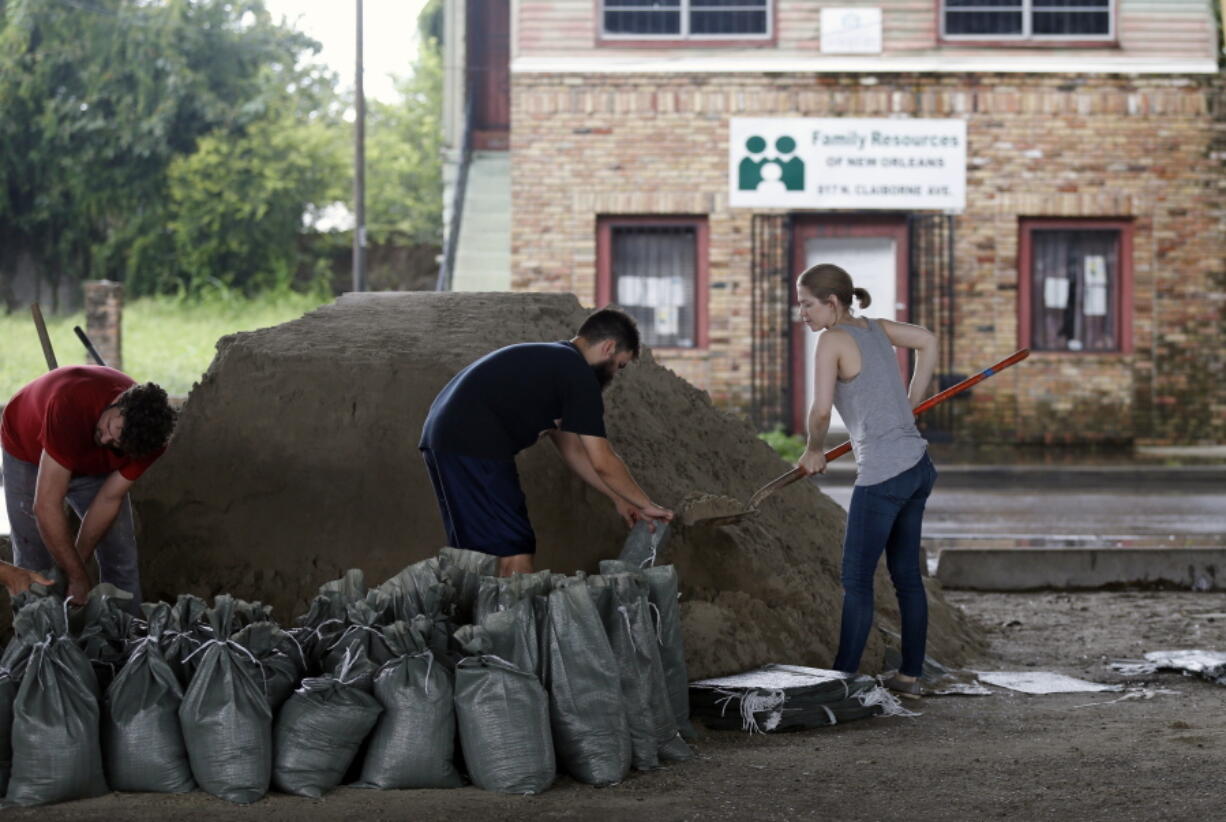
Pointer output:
x,y
812,462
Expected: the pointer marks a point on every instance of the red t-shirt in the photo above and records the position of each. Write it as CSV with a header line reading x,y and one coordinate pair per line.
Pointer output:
x,y
58,413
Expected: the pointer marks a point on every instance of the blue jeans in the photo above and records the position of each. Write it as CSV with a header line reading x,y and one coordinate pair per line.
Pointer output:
x,y
115,552
886,517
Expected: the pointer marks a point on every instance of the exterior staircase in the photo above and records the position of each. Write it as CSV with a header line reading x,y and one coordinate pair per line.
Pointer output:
x,y
483,253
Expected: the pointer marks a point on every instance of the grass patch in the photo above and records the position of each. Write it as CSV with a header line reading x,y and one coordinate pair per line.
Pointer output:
x,y
166,340
788,446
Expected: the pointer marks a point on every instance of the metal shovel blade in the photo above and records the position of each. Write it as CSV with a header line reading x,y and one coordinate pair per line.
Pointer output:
x,y
762,493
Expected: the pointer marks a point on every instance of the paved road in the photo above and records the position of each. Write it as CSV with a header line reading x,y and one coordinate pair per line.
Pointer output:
x,y
1081,507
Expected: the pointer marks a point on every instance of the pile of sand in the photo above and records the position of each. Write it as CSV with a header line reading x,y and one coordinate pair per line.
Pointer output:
x,y
296,458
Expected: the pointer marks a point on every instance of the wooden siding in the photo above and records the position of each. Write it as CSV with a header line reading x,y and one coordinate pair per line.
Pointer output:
x,y
1152,29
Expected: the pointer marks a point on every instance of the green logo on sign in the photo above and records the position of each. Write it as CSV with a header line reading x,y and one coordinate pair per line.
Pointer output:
x,y
782,172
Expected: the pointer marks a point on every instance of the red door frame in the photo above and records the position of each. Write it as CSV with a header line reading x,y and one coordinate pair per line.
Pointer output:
x,y
807,226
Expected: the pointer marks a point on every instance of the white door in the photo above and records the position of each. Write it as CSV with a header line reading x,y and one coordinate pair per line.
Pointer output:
x,y
871,264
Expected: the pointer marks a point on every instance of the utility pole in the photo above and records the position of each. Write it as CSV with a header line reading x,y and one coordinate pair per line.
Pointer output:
x,y
359,168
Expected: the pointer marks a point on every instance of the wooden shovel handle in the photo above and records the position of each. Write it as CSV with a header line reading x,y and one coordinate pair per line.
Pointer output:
x,y
41,326
784,480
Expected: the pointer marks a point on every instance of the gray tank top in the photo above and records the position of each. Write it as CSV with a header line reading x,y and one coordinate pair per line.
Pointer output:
x,y
874,406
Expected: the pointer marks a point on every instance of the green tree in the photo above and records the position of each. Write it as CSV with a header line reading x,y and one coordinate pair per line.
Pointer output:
x,y
404,187
238,201
99,97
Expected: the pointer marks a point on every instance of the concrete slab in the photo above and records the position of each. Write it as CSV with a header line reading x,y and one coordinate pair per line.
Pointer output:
x,y
1029,569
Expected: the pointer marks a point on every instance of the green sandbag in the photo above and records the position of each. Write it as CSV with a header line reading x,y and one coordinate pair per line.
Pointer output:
x,y
662,588
106,623
320,628
225,717
644,543
57,754
622,602
590,730
509,634
141,736
278,664
184,633
499,593
417,589
463,570
413,744
503,717
318,733
8,692
364,619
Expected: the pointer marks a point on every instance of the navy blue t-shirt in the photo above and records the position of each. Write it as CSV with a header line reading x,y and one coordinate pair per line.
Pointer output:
x,y
500,404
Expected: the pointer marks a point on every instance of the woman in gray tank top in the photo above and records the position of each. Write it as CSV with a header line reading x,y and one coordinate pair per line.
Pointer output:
x,y
857,373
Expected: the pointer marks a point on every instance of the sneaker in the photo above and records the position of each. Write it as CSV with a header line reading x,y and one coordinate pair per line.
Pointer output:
x,y
904,688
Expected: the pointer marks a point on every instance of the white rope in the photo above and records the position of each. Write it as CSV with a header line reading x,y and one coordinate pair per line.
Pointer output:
x,y
260,665
890,706
754,702
301,655
429,655
834,720
625,612
350,630
321,625
659,623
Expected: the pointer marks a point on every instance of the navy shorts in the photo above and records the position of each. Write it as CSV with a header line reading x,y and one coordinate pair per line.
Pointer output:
x,y
482,505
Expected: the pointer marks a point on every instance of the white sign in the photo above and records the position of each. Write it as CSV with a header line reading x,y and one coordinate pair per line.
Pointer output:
x,y
782,162
851,31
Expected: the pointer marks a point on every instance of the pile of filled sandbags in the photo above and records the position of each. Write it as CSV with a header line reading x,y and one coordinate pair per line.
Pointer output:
x,y
372,687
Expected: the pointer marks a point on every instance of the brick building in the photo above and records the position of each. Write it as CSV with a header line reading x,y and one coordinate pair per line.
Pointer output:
x,y
1028,173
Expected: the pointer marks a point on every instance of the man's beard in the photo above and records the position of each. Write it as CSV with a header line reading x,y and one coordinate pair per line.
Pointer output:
x,y
605,372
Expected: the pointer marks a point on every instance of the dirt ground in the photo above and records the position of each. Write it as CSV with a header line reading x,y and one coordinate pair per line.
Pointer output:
x,y
1006,756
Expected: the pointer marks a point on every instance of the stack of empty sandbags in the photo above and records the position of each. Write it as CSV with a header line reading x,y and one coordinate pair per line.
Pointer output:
x,y
788,698
532,674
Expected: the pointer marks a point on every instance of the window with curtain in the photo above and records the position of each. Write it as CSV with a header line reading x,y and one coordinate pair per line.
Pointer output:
x,y
1028,19
1075,282
684,19
654,276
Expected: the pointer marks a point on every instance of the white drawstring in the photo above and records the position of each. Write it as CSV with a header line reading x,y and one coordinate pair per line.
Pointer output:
x,y
350,630
625,612
316,633
659,623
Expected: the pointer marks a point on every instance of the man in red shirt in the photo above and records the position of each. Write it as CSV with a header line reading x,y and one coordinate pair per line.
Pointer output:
x,y
81,434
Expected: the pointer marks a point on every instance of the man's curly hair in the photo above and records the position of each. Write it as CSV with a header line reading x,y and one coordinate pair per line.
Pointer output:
x,y
148,419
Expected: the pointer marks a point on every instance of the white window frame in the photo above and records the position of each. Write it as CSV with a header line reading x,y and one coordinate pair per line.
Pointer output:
x,y
1027,10
684,10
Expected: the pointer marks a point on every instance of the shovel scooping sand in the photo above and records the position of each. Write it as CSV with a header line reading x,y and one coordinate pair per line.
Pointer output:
x,y
711,509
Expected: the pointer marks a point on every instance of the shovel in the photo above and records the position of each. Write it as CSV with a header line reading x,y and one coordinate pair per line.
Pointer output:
x,y
784,480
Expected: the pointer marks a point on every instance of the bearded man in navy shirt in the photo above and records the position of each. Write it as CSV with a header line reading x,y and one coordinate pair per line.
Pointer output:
x,y
505,402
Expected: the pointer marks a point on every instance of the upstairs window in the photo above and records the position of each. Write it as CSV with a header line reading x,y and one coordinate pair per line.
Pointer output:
x,y
685,19
1028,19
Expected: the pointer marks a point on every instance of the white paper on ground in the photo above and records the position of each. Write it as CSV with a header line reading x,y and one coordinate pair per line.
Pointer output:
x,y
1042,682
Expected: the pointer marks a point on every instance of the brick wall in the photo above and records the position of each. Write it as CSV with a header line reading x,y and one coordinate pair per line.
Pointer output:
x,y
1150,149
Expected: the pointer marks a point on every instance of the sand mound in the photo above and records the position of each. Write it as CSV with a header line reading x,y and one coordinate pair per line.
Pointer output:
x,y
296,458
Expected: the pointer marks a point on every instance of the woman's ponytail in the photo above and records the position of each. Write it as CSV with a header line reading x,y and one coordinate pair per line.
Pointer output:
x,y
826,279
